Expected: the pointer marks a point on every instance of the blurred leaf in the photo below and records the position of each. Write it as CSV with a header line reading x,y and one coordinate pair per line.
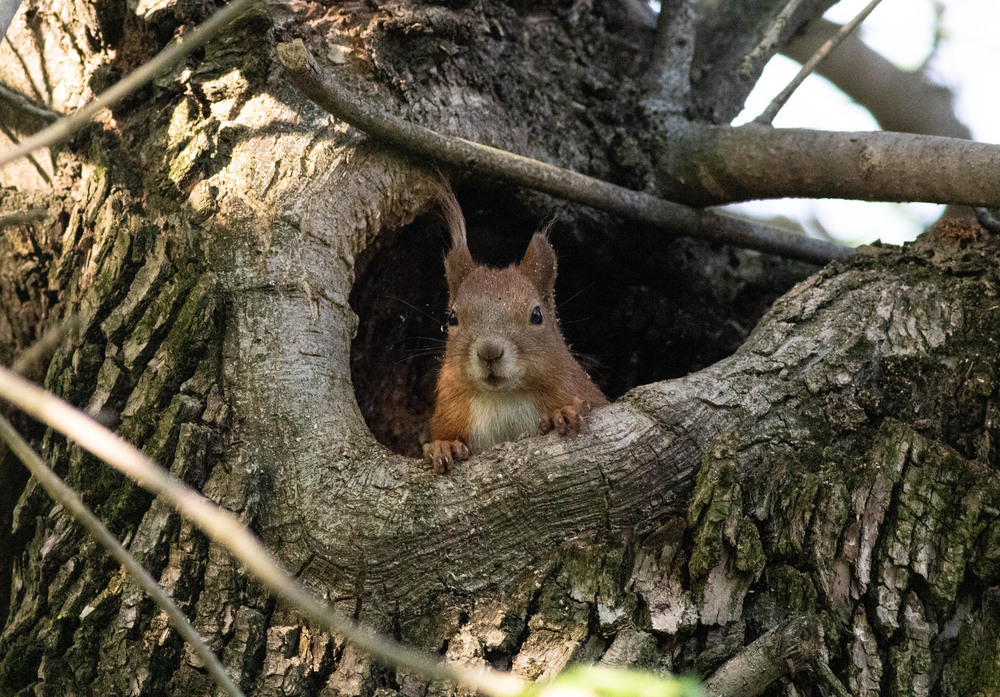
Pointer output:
x,y
592,681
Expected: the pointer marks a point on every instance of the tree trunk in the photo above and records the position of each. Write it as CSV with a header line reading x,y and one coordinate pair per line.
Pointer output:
x,y
256,286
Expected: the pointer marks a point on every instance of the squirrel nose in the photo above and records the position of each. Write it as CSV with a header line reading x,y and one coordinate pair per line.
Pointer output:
x,y
489,350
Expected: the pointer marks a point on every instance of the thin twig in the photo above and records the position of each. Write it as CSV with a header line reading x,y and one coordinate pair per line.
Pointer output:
x,y
23,103
226,530
34,360
31,365
769,41
671,217
767,116
32,215
167,58
873,81
31,158
68,499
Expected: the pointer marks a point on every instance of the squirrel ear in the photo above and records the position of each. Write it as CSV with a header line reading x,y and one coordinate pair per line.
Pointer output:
x,y
539,265
458,262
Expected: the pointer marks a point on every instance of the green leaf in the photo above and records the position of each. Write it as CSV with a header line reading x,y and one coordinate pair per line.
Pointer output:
x,y
595,681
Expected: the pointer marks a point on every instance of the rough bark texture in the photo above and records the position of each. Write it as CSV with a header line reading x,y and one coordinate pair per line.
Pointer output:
x,y
249,275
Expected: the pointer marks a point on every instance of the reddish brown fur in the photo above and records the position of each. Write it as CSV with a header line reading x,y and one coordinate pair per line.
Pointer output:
x,y
494,308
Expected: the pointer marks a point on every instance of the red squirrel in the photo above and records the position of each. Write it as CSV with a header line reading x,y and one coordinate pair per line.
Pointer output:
x,y
507,371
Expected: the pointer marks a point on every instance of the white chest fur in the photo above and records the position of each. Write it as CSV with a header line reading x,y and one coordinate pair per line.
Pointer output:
x,y
498,417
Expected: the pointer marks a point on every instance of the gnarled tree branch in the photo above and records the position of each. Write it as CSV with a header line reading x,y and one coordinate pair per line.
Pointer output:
x,y
673,218
707,165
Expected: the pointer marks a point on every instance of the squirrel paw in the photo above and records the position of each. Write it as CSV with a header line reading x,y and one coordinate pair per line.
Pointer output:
x,y
566,420
442,454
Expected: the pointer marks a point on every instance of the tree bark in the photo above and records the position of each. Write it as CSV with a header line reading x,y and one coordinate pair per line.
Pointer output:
x,y
240,265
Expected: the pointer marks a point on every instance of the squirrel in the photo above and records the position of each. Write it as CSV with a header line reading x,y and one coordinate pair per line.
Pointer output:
x,y
507,371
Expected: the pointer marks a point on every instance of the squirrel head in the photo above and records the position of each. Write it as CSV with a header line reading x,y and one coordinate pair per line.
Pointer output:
x,y
503,333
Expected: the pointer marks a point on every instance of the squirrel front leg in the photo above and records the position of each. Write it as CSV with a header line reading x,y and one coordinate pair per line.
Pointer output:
x,y
565,420
449,424
443,454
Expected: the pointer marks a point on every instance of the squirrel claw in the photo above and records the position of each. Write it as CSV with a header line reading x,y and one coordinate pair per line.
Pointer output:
x,y
566,420
442,454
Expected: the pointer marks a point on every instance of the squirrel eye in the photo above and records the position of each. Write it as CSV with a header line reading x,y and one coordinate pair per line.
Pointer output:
x,y
452,319
536,315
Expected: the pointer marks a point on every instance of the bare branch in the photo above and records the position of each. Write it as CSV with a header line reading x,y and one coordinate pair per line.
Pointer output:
x,y
770,40
226,530
890,94
68,125
668,74
31,158
719,164
767,116
735,42
22,103
68,499
673,218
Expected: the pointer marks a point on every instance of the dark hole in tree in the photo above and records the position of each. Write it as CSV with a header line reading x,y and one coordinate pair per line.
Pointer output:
x,y
635,305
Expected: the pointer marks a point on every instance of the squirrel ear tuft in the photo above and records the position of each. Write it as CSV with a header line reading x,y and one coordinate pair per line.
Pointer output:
x,y
539,265
458,262
457,265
